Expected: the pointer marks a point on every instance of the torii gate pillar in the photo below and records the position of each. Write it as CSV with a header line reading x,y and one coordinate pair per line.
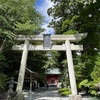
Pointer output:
x,y
22,67
71,71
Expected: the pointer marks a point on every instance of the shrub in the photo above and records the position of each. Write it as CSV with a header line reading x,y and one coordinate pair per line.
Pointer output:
x,y
63,90
93,92
65,93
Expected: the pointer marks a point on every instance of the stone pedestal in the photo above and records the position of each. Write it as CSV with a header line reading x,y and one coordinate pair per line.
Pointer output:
x,y
75,97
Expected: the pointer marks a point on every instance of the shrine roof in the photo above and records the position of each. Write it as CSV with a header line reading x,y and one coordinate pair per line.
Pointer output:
x,y
53,71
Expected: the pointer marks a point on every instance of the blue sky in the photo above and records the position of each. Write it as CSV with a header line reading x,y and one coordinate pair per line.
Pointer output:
x,y
42,6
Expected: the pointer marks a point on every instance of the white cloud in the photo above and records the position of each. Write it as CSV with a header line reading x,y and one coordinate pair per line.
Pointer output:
x,y
43,10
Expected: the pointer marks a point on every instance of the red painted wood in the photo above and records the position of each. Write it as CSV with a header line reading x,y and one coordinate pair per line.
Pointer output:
x,y
52,79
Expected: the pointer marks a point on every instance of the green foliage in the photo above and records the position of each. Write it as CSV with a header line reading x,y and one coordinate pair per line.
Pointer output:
x,y
3,63
3,79
93,92
64,77
89,87
51,59
64,91
67,25
83,67
75,17
84,83
26,26
18,17
71,31
80,16
95,75
86,2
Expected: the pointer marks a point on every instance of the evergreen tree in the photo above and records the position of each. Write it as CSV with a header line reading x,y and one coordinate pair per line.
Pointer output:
x,y
96,71
16,17
79,16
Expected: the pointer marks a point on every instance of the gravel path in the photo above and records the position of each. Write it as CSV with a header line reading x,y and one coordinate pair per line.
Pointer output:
x,y
48,95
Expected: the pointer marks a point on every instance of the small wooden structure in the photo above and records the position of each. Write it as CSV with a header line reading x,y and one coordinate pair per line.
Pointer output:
x,y
31,78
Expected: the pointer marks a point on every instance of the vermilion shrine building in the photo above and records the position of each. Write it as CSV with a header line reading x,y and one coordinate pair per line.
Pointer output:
x,y
52,76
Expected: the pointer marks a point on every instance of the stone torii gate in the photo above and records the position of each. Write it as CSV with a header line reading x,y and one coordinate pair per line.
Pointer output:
x,y
68,47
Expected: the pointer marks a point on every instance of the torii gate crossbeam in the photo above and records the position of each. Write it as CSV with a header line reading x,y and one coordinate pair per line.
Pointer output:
x,y
54,47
